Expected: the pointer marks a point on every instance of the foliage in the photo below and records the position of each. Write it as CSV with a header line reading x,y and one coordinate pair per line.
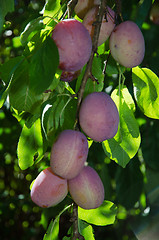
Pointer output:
x,y
36,106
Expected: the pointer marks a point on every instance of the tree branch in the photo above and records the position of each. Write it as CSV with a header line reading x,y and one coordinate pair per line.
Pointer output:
x,y
88,71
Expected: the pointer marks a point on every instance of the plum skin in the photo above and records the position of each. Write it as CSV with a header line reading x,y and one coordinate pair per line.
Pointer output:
x,y
98,116
87,189
83,6
107,25
48,189
69,154
74,44
127,44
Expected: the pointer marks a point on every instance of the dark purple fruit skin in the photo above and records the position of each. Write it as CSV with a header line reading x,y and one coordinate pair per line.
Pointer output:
x,y
69,154
99,117
87,189
127,44
48,189
74,44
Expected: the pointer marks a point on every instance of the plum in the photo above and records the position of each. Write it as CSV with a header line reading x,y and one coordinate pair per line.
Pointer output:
x,y
48,189
98,116
127,44
87,189
74,44
83,6
69,153
107,26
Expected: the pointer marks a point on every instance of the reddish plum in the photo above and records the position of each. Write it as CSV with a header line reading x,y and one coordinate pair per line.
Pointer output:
x,y
98,116
87,189
69,153
74,44
48,189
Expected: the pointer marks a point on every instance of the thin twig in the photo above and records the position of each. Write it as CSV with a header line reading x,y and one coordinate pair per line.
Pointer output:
x,y
76,234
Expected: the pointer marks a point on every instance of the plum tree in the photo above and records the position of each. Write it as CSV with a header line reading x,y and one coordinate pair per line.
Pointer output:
x,y
48,189
69,154
107,26
83,6
98,116
127,44
74,44
87,189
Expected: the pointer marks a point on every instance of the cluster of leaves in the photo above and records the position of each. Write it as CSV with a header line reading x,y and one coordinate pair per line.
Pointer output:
x,y
45,106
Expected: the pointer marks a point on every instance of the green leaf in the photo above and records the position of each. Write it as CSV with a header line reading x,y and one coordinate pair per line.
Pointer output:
x,y
53,229
43,66
101,216
5,7
126,142
8,68
21,96
31,29
30,145
129,184
85,230
51,10
92,86
146,91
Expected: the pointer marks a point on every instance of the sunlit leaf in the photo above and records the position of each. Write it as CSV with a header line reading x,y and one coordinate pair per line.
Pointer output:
x,y
51,11
31,29
53,229
102,216
126,142
146,91
30,145
86,230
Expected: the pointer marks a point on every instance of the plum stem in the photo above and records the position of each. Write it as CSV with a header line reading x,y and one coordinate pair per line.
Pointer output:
x,y
76,234
88,71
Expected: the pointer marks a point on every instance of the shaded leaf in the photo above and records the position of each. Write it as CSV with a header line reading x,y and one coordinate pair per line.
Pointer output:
x,y
5,7
21,96
129,184
43,66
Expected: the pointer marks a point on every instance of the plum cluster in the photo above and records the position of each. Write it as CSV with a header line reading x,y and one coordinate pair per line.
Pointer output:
x,y
98,114
68,169
67,172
